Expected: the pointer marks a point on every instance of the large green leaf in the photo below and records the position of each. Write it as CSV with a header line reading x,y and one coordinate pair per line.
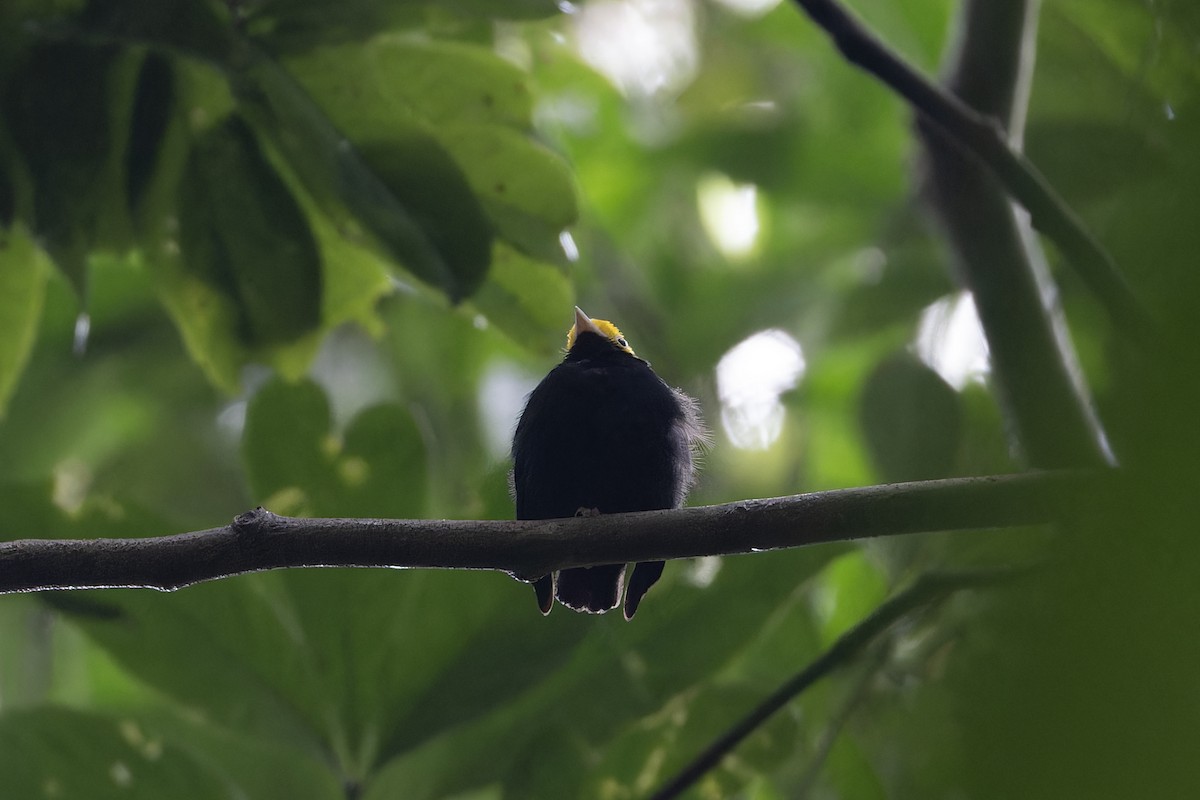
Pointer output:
x,y
619,673
912,420
199,30
367,88
377,640
340,181
56,752
377,467
257,768
208,308
527,299
284,442
297,25
155,96
652,750
50,752
847,590
423,177
475,105
243,234
23,275
383,465
205,313
228,651
527,191
63,108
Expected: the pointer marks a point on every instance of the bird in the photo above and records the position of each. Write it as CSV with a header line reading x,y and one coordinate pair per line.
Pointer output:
x,y
602,434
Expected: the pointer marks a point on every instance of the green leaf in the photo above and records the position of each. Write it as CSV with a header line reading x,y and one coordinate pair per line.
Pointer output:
x,y
284,442
198,30
515,9
207,320
10,173
227,649
378,641
244,234
832,384
340,181
257,768
619,673
300,25
207,313
475,104
848,590
423,177
22,682
912,420
852,773
376,469
341,661
153,107
522,648
23,275
383,464
367,88
51,752
61,107
354,278
527,190
526,299
653,750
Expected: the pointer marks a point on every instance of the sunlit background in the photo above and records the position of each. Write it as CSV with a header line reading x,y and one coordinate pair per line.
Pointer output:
x,y
652,53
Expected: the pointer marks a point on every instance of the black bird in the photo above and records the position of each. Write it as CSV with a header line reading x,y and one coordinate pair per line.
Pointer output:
x,y
602,433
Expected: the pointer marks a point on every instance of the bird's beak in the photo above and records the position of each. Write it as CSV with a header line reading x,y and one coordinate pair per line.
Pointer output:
x,y
584,323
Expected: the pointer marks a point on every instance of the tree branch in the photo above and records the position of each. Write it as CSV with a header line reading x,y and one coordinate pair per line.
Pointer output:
x,y
998,258
259,540
984,138
873,663
927,589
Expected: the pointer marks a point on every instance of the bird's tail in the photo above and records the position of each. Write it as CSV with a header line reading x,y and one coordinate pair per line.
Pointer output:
x,y
591,589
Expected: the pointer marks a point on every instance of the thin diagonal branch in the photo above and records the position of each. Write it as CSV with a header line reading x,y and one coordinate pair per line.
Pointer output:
x,y
873,662
927,589
259,540
985,139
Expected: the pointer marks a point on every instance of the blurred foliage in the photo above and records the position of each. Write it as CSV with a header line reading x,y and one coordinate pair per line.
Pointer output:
x,y
311,254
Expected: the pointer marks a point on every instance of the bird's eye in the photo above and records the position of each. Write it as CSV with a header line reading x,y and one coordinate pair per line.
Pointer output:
x,y
621,342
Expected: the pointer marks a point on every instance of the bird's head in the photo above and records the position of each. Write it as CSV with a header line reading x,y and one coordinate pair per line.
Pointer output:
x,y
600,327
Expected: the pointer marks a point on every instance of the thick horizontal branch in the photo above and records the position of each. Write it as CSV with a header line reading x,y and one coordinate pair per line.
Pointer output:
x,y
259,540
985,139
